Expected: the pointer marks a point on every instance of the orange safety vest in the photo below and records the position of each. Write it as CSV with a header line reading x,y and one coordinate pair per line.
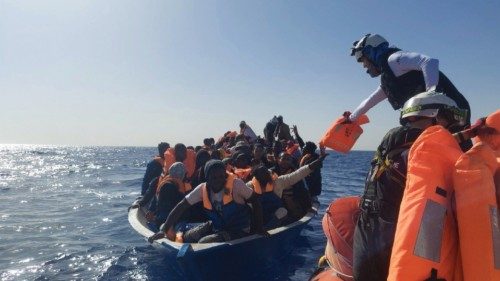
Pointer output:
x,y
226,198
189,162
342,136
242,173
290,150
477,186
426,242
269,187
182,186
338,224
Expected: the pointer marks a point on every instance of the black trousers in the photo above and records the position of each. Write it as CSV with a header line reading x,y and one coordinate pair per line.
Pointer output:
x,y
372,245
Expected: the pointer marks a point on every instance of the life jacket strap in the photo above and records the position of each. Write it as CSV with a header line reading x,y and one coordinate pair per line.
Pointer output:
x,y
433,276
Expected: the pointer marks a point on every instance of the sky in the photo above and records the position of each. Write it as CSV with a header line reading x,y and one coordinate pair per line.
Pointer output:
x,y
135,73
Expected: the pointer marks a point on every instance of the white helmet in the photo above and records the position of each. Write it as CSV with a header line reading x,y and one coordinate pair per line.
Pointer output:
x,y
429,104
367,40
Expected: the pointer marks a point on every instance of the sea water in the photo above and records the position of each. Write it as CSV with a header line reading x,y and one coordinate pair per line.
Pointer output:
x,y
63,215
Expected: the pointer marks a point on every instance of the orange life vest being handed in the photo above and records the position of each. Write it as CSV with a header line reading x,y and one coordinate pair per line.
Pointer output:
x,y
477,186
338,224
342,136
189,162
426,242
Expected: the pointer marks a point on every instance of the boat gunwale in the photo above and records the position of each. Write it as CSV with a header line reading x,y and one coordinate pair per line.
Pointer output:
x,y
137,221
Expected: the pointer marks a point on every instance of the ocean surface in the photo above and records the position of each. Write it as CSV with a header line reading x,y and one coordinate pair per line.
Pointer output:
x,y
63,214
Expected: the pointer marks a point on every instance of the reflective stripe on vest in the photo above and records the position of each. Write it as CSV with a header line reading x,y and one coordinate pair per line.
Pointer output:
x,y
426,233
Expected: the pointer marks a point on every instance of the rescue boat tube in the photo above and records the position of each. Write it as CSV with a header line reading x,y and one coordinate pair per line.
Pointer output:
x,y
338,224
326,275
342,136
478,213
426,242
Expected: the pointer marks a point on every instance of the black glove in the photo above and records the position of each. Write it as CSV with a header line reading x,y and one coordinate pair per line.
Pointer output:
x,y
346,115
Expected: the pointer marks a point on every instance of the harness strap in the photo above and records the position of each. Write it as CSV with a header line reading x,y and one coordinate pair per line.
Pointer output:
x,y
433,276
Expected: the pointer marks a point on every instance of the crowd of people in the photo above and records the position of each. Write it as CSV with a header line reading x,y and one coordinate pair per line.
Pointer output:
x,y
235,186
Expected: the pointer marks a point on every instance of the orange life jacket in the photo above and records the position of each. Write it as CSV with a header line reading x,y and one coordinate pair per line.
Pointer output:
x,y
477,186
338,224
426,242
493,140
291,149
342,136
183,187
189,162
242,173
269,187
226,198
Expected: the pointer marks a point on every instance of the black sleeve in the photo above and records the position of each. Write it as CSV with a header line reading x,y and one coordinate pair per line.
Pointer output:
x,y
257,214
168,198
300,141
150,192
175,215
153,170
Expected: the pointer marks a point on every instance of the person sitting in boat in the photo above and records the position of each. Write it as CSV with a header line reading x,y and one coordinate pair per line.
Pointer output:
x,y
314,179
168,192
180,153
242,168
154,167
282,130
246,131
218,154
293,149
270,188
296,199
207,144
403,75
259,157
225,199
385,182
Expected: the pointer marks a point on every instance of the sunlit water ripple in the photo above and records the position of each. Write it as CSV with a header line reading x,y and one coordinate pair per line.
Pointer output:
x,y
64,215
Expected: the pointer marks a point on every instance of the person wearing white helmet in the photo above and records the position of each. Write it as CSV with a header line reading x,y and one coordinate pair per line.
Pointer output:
x,y
402,75
385,183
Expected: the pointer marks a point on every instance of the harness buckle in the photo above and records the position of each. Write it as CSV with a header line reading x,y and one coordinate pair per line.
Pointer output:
x,y
369,206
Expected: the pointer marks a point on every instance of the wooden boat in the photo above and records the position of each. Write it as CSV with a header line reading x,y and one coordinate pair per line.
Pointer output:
x,y
232,260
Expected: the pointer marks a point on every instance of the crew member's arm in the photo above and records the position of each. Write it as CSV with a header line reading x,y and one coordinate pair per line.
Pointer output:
x,y
377,96
404,62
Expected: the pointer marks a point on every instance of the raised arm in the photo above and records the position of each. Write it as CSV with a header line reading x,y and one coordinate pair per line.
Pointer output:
x,y
377,96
